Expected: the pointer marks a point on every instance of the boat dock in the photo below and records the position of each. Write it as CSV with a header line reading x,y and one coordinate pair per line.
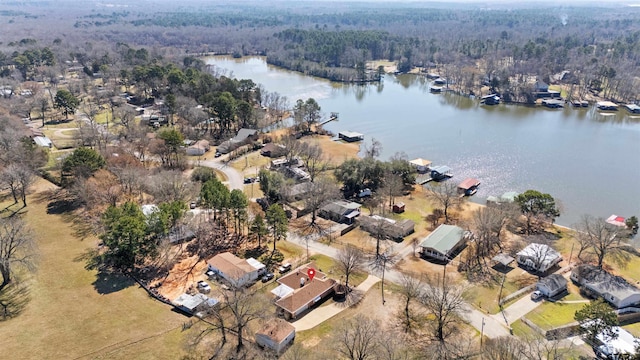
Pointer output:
x,y
423,179
350,136
553,103
606,106
632,108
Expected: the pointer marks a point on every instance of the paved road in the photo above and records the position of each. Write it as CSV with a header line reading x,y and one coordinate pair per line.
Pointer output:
x,y
492,327
235,178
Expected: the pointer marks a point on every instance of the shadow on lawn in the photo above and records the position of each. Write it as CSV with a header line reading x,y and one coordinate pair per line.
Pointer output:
x,y
107,283
13,299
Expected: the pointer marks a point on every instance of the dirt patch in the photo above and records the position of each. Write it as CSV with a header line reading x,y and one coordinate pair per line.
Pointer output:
x,y
182,276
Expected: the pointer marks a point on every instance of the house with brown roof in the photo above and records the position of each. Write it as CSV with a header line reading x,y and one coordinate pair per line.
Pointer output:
x,y
273,150
237,271
276,335
298,293
198,148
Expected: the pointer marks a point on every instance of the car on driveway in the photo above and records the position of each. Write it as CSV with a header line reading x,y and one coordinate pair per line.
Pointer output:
x,y
284,268
203,287
267,277
536,295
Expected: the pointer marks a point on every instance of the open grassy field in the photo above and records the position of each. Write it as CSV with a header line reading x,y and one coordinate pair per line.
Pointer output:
x,y
74,313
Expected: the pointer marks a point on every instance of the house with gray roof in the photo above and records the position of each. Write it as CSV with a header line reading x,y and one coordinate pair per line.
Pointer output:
x,y
613,289
552,285
340,211
388,228
444,243
244,136
538,258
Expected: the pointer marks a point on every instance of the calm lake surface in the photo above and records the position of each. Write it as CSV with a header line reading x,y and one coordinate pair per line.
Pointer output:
x,y
588,161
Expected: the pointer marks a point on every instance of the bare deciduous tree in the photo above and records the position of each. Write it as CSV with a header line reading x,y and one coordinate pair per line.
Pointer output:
x,y
17,248
245,307
411,290
445,195
445,299
18,177
602,239
169,185
349,260
358,338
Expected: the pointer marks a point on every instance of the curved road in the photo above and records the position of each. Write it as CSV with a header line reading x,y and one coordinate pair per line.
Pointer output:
x,y
491,326
235,179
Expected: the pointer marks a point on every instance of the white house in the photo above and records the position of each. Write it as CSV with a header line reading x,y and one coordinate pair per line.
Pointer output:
x,y
613,289
552,285
238,272
276,335
538,257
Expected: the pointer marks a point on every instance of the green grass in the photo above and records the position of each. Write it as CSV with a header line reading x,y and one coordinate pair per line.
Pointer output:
x,y
550,315
72,312
289,250
103,117
485,297
634,329
522,330
328,266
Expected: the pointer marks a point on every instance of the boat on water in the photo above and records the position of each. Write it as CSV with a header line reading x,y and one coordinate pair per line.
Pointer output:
x,y
492,99
436,89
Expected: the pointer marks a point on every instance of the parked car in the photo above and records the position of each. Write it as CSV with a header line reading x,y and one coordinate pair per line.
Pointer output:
x,y
249,180
536,295
203,287
218,154
364,193
267,277
192,205
284,268
211,274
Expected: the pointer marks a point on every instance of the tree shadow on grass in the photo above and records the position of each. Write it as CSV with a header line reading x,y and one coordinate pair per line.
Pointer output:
x,y
13,300
107,282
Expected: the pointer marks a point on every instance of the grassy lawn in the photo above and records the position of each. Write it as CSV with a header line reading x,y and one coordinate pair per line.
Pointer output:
x,y
522,330
550,315
485,296
103,117
76,313
250,161
289,250
634,329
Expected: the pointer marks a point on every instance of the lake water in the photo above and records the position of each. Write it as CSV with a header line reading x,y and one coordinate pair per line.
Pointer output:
x,y
589,161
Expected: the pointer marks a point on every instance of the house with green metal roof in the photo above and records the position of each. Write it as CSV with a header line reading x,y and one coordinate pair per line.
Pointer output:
x,y
444,243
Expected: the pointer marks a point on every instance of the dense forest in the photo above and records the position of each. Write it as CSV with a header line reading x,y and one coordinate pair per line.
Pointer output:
x,y
595,48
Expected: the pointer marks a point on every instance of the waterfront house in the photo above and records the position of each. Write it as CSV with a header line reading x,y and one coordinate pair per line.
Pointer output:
x,y
599,283
238,272
276,334
538,258
444,243
552,285
298,293
340,211
350,136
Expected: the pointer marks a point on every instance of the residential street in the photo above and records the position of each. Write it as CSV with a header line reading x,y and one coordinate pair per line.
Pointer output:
x,y
493,325
235,178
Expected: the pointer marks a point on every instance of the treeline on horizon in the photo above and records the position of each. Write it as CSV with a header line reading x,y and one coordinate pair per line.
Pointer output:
x,y
502,47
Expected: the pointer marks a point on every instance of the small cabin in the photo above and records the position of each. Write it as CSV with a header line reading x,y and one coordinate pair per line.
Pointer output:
x,y
398,207
350,136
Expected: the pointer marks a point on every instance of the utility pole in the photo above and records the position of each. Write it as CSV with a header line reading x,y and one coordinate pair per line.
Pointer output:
x,y
482,331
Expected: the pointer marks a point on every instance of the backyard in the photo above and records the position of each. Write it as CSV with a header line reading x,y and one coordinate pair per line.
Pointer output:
x,y
84,313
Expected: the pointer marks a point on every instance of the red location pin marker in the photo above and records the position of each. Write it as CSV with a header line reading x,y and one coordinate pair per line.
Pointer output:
x,y
311,273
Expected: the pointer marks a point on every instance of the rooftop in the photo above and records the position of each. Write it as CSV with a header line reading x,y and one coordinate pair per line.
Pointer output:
x,y
444,238
554,281
307,293
420,162
603,282
276,329
468,183
232,265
